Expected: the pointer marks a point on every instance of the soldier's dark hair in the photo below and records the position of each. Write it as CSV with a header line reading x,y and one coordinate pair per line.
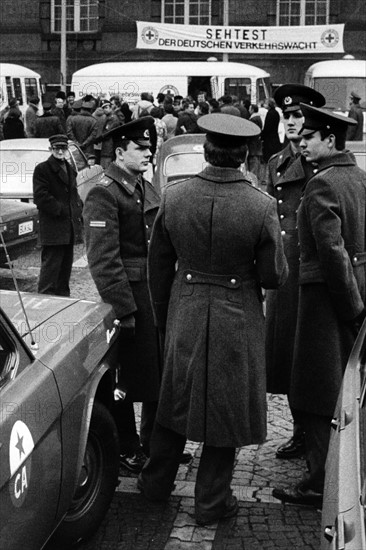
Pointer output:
x,y
225,152
340,137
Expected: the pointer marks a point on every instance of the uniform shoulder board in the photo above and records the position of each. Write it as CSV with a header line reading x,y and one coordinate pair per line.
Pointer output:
x,y
261,191
105,181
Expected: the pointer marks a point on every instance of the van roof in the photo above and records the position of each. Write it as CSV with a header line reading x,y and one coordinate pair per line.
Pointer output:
x,y
171,68
338,67
11,69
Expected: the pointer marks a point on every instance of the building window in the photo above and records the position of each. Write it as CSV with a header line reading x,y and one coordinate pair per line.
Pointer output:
x,y
81,15
302,12
186,12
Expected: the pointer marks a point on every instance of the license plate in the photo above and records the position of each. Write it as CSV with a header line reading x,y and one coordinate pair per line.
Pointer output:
x,y
25,227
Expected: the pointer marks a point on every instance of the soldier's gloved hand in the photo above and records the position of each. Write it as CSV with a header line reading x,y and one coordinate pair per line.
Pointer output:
x,y
127,326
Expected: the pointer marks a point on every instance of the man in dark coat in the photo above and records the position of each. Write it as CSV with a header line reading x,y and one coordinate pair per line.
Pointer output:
x,y
355,132
332,278
48,124
118,214
223,236
287,172
270,137
60,209
82,128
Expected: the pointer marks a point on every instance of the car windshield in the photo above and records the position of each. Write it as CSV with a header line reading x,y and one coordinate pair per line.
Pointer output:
x,y
20,162
184,164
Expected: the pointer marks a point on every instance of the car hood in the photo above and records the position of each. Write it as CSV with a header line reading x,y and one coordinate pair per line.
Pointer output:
x,y
39,308
11,208
17,187
59,324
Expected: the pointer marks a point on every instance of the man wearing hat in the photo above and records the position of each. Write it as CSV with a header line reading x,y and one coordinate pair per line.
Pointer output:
x,y
355,132
82,127
48,124
223,236
110,121
60,209
332,279
286,175
118,216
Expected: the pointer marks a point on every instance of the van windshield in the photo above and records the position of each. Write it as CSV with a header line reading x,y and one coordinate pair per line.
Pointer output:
x,y
239,87
337,90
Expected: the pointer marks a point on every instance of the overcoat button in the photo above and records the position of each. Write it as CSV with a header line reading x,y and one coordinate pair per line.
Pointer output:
x,y
279,188
147,227
278,174
233,281
315,170
138,201
189,277
280,201
355,259
282,216
283,232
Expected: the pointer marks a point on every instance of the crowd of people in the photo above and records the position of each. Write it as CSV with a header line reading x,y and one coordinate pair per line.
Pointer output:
x,y
187,272
87,120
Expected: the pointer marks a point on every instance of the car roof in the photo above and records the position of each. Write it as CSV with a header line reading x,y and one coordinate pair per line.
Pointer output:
x,y
182,144
24,144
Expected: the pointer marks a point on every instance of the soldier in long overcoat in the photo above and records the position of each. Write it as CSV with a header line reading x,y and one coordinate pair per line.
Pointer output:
x,y
118,215
60,217
287,172
224,236
332,278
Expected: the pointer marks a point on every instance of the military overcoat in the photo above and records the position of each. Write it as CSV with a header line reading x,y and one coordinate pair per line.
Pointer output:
x,y
224,235
286,177
331,223
118,219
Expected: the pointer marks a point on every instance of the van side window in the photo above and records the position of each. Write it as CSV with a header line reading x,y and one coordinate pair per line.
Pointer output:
x,y
30,87
18,90
9,88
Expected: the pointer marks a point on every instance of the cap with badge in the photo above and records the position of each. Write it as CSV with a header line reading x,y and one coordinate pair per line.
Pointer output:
x,y
58,139
289,97
227,129
139,131
321,119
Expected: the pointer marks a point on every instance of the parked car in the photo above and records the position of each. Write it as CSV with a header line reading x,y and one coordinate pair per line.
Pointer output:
x,y
19,226
182,157
59,452
18,158
343,513
358,148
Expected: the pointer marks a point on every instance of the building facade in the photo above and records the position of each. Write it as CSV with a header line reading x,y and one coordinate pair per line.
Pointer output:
x,y
105,30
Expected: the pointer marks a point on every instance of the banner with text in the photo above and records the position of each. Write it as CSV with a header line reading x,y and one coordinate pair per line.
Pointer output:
x,y
215,39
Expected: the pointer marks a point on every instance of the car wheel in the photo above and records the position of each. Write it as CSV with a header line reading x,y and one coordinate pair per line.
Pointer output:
x,y
97,481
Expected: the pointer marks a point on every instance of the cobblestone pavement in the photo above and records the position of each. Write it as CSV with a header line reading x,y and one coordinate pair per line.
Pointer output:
x,y
133,523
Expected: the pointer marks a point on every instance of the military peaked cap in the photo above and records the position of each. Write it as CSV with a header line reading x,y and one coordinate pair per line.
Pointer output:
x,y
289,97
138,131
221,125
320,119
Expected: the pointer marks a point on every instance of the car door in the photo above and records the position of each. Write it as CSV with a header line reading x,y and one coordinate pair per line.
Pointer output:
x,y
30,445
343,512
87,176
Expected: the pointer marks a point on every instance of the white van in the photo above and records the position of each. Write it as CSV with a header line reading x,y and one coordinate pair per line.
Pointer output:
x,y
336,80
130,79
20,83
